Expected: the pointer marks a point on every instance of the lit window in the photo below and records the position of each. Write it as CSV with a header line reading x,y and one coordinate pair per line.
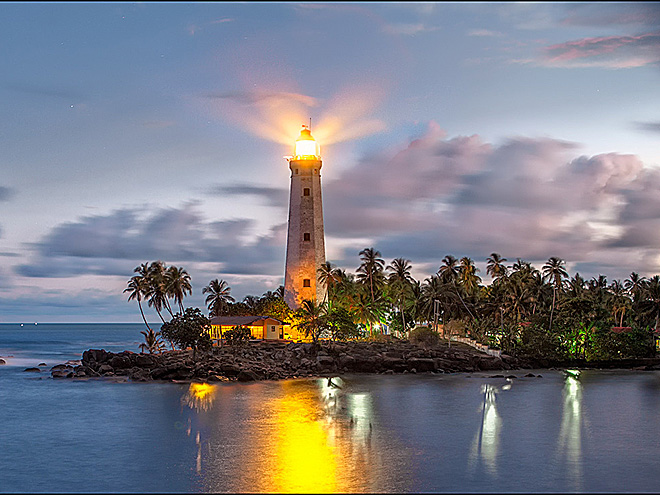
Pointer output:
x,y
306,282
306,236
306,191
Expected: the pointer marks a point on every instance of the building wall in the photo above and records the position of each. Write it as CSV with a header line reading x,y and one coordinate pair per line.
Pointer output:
x,y
304,257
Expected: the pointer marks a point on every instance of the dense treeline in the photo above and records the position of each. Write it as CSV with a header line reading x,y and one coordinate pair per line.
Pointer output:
x,y
524,311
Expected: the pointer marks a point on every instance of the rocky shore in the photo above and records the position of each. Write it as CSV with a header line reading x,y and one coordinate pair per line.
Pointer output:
x,y
264,360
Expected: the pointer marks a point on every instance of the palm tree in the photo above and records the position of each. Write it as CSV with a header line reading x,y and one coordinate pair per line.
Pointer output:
x,y
152,342
313,318
177,284
495,266
400,281
219,296
634,285
619,300
328,278
371,269
136,287
365,310
467,275
449,270
157,296
252,302
651,299
555,272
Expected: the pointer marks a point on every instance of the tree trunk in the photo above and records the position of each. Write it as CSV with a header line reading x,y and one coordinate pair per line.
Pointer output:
x,y
142,313
552,310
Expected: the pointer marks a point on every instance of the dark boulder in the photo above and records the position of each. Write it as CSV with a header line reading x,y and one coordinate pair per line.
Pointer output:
x,y
120,362
248,376
32,369
324,361
2,361
421,364
488,363
61,373
104,369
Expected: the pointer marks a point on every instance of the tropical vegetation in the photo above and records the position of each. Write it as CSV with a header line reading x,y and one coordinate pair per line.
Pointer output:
x,y
524,311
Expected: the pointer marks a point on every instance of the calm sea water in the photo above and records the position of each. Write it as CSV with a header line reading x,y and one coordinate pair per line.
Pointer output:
x,y
407,433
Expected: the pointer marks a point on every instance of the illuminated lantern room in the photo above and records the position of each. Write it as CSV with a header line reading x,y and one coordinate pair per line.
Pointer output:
x,y
306,146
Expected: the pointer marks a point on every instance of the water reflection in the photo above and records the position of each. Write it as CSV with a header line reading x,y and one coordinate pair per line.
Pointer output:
x,y
485,445
569,444
200,396
296,436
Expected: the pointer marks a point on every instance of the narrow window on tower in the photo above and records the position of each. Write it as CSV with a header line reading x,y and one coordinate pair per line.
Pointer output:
x,y
296,171
306,191
306,236
306,282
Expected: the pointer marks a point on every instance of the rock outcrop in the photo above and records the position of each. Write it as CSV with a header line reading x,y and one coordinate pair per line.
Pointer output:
x,y
263,360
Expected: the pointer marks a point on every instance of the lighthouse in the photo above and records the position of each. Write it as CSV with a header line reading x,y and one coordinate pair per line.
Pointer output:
x,y
305,245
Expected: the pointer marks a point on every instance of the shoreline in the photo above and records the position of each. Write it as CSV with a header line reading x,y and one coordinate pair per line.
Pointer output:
x,y
266,360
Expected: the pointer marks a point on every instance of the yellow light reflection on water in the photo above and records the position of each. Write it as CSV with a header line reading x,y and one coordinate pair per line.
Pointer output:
x,y
199,396
305,460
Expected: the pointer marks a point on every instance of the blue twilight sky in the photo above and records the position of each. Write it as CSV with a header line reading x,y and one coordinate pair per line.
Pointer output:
x,y
131,132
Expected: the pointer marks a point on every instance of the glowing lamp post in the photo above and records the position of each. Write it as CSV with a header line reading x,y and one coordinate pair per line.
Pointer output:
x,y
305,245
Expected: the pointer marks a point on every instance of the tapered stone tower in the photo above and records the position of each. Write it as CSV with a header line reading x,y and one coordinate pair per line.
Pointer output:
x,y
305,245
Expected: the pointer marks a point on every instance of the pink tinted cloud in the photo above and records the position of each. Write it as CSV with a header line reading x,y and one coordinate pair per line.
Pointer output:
x,y
614,52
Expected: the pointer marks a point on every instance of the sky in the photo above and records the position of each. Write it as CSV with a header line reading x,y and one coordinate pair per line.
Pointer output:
x,y
134,132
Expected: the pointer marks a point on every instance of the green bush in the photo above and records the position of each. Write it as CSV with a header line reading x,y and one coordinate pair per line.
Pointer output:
x,y
190,329
424,336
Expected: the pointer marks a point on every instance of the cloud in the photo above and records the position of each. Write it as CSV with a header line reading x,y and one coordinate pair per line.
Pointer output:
x,y
648,126
115,243
47,91
527,197
611,52
222,20
484,33
273,196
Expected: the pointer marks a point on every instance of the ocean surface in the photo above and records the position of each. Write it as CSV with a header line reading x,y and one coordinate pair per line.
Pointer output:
x,y
598,431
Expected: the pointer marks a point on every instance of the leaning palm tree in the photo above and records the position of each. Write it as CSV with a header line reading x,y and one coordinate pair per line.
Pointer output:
x,y
177,284
219,296
555,273
156,293
136,286
371,269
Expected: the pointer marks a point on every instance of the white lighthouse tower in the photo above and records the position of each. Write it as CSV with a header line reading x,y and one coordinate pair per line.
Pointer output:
x,y
305,245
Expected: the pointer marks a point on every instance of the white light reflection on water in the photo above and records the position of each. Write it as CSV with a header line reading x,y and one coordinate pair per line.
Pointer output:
x,y
569,443
486,442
